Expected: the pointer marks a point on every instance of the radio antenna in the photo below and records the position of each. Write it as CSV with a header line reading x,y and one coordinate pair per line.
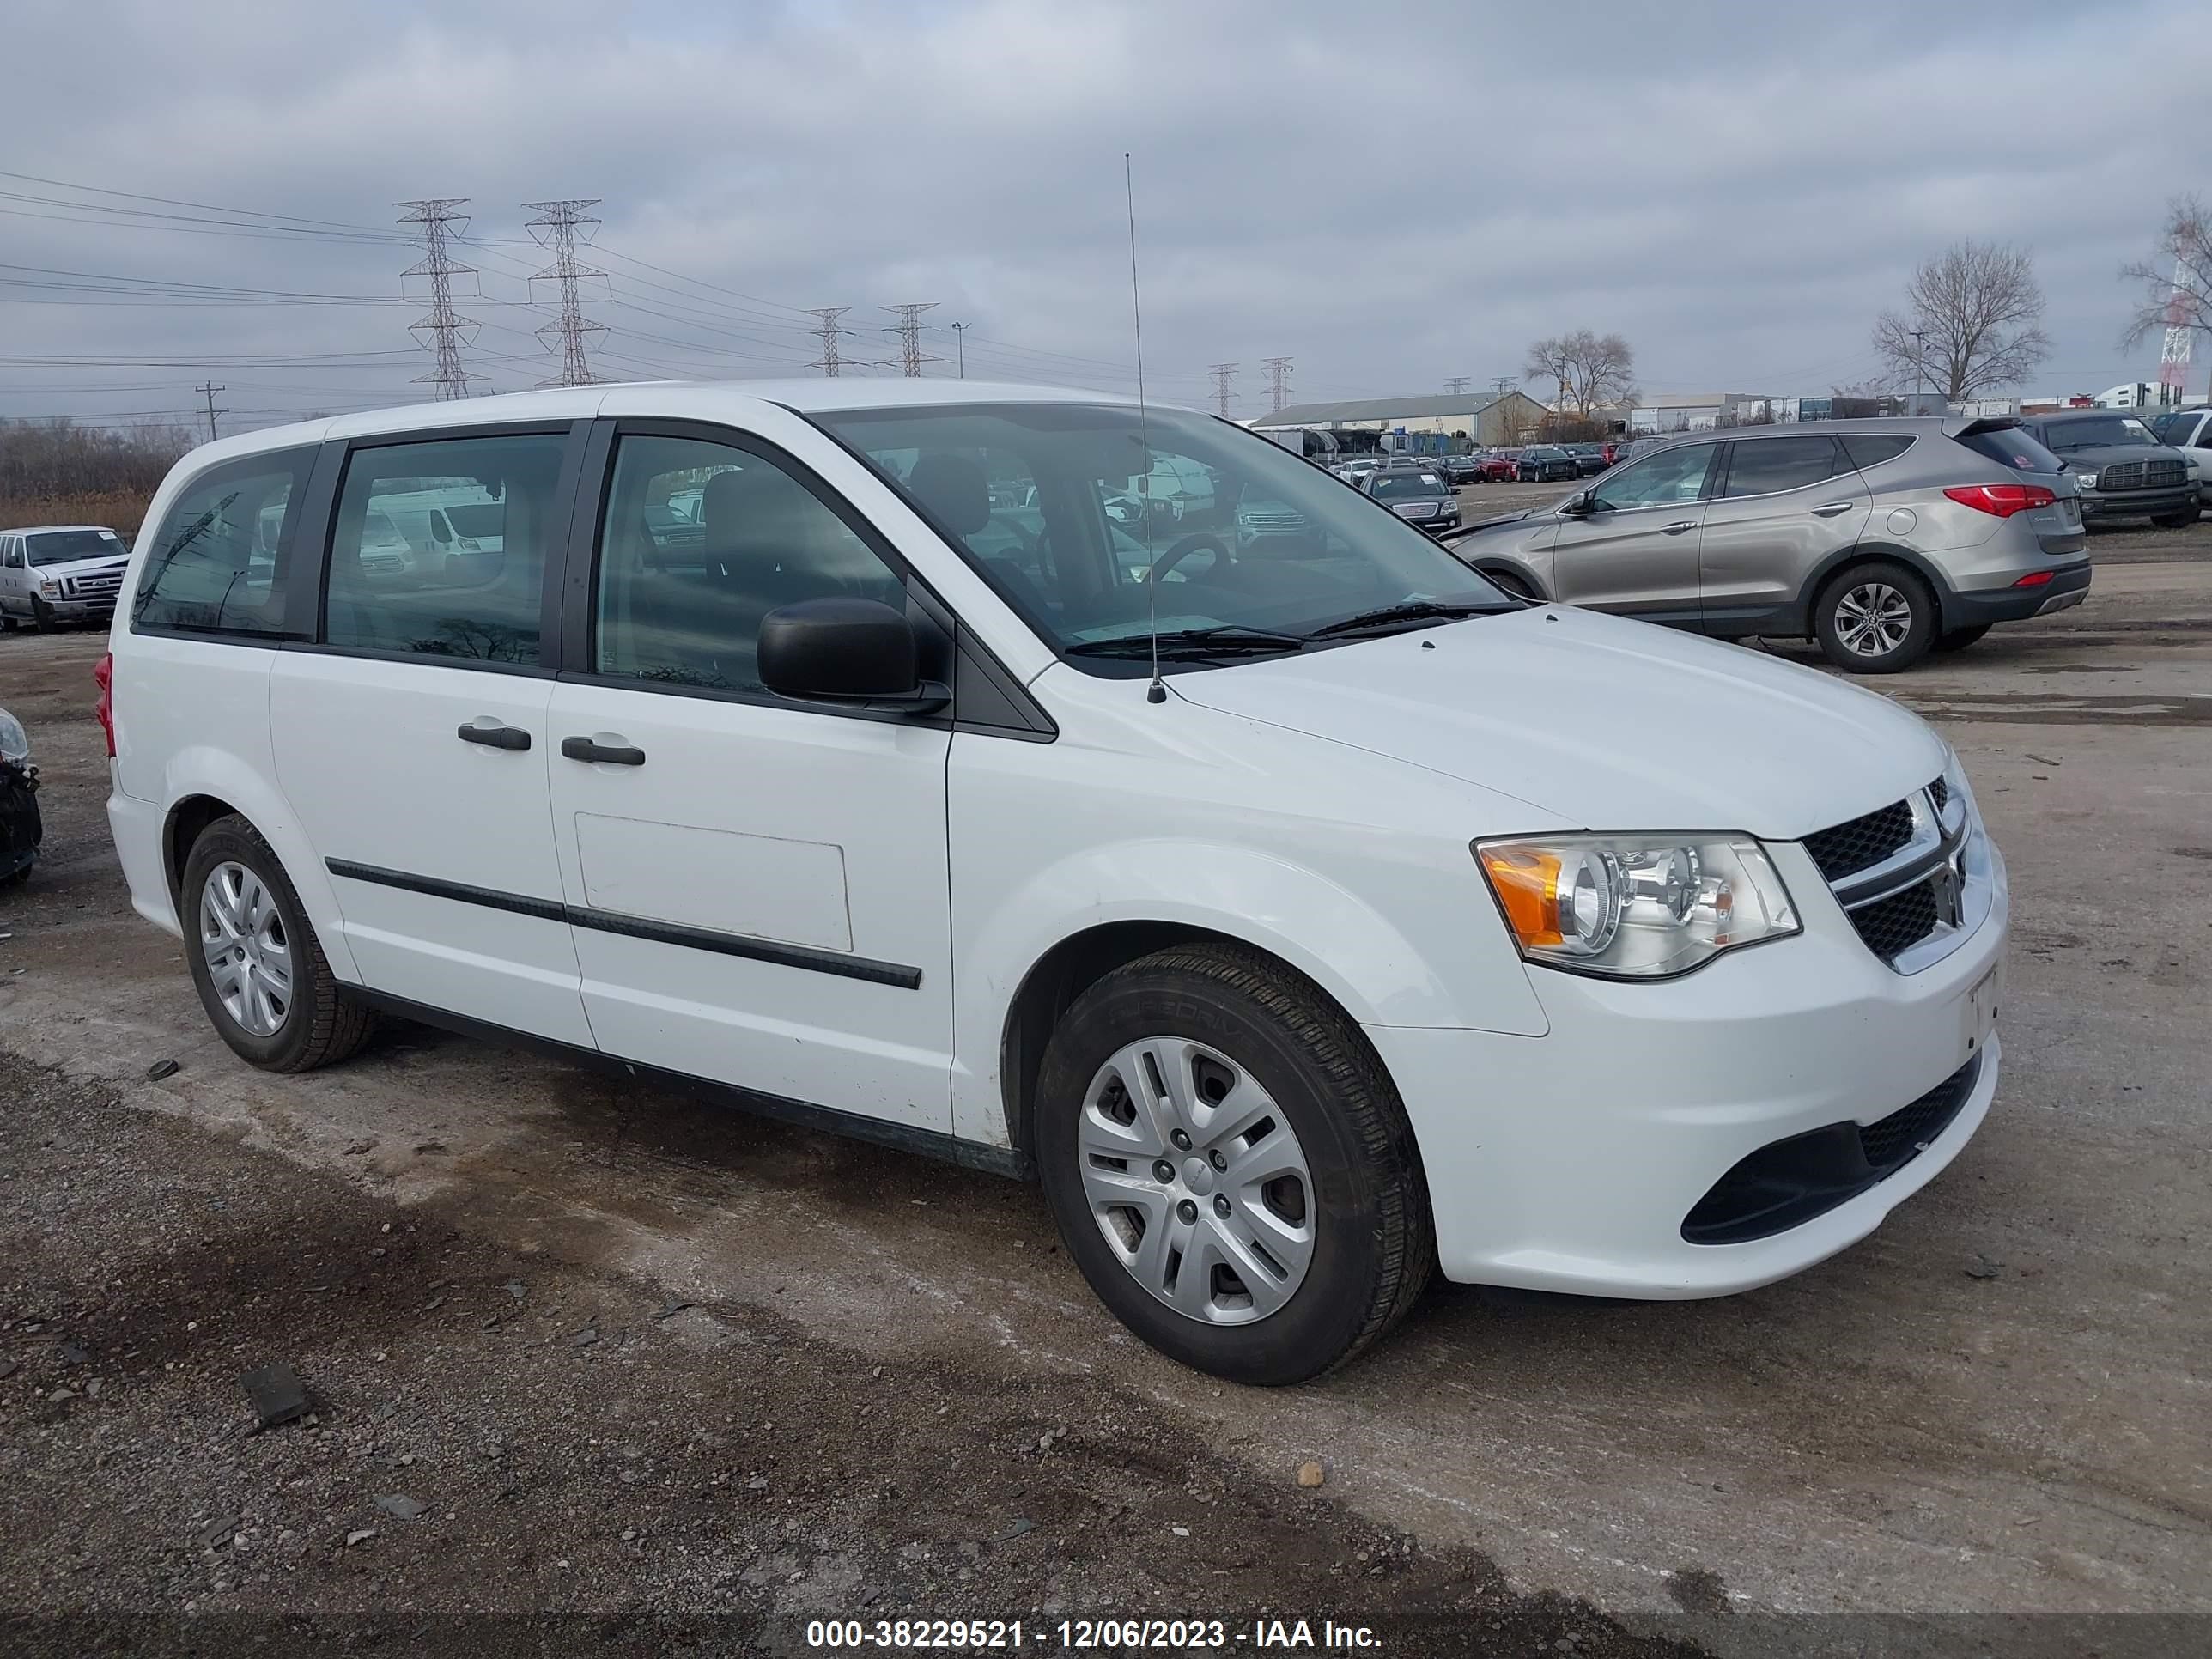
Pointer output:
x,y
1156,692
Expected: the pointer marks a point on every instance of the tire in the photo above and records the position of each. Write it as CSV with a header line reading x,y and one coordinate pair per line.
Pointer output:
x,y
321,1021
1242,1031
2176,521
1864,606
41,617
1959,638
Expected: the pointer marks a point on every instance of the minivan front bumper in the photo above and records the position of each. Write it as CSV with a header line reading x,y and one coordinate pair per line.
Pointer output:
x,y
1574,1161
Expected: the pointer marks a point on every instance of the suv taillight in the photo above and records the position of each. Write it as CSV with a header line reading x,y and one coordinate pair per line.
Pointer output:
x,y
103,710
2002,501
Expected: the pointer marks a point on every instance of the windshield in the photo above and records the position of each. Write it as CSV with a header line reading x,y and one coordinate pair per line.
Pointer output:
x,y
1253,539
67,546
2098,432
1405,486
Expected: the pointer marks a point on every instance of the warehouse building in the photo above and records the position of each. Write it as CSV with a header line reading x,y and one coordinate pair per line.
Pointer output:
x,y
1490,419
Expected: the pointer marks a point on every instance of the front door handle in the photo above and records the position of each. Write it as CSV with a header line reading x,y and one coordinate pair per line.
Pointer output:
x,y
493,735
1678,526
608,754
1829,509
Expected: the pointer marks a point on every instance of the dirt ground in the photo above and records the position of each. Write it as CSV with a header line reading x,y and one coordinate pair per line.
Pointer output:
x,y
686,1380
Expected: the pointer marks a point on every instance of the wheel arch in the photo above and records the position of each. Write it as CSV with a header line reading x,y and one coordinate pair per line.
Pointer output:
x,y
1865,552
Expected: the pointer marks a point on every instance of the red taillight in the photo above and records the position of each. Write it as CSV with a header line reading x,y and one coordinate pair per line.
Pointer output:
x,y
2034,578
103,710
2001,500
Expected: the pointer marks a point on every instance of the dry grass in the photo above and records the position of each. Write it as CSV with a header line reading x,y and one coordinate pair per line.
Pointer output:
x,y
120,510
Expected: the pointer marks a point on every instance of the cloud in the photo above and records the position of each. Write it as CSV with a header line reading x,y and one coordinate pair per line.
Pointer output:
x,y
1737,188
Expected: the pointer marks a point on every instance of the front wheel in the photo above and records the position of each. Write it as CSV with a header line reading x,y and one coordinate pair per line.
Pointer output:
x,y
255,959
42,616
1513,586
1230,1167
1875,619
2180,520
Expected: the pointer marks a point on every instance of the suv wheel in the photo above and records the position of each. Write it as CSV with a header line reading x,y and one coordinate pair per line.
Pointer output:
x,y
2180,520
255,960
42,616
1875,619
1230,1167
1513,586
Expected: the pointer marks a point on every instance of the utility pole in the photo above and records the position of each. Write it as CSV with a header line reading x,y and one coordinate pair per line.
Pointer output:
x,y
1919,365
560,221
440,331
1278,382
911,356
1458,384
827,332
960,346
208,391
1222,374
1502,385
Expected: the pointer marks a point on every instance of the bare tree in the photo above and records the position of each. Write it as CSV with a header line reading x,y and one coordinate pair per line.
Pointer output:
x,y
2177,286
1875,386
1591,371
1976,311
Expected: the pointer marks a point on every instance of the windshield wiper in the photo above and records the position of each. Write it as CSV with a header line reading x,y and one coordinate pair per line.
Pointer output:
x,y
1406,611
1190,642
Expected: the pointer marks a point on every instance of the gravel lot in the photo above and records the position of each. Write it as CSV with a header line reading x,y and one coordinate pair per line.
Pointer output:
x,y
649,1362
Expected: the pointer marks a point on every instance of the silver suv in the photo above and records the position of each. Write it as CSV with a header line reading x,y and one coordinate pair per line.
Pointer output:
x,y
1883,540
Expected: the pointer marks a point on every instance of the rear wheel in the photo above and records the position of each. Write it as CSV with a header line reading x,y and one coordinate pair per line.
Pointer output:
x,y
255,960
1959,638
1875,619
1230,1167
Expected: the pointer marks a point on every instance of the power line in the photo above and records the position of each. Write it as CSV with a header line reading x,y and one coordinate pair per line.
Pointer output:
x,y
911,356
439,222
829,362
1222,373
560,221
1278,382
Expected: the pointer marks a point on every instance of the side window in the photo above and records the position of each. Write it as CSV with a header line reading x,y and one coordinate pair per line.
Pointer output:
x,y
1668,476
1867,450
395,586
700,542
1766,466
217,562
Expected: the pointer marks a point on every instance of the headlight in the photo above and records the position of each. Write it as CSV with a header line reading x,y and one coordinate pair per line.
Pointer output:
x,y
51,589
15,741
2085,481
1636,907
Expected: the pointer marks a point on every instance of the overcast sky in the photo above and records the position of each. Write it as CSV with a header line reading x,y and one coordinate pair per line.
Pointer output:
x,y
1388,198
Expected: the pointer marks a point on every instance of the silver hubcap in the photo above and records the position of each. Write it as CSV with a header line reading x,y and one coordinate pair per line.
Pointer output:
x,y
1197,1180
248,957
1873,619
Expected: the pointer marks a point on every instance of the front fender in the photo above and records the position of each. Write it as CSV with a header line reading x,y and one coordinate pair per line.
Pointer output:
x,y
1459,972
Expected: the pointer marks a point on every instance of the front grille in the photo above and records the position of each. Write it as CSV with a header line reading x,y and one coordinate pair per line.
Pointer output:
x,y
1861,844
2141,475
1940,793
102,585
1891,1143
1891,926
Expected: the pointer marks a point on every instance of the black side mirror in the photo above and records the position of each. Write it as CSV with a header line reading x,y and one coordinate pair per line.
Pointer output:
x,y
846,651
1580,505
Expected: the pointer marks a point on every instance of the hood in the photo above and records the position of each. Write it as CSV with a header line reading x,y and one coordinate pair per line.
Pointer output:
x,y
92,566
2104,455
1480,525
1604,723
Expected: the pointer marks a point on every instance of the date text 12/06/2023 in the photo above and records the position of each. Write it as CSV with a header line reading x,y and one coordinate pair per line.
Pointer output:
x,y
1085,1635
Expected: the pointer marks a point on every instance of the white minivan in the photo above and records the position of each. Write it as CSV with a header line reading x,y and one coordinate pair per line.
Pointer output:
x,y
1304,913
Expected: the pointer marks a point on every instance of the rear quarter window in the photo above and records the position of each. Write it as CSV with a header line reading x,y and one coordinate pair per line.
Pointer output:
x,y
1869,449
2015,446
211,566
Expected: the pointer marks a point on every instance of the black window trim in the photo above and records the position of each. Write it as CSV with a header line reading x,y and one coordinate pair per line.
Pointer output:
x,y
1910,441
945,640
1836,452
301,508
340,452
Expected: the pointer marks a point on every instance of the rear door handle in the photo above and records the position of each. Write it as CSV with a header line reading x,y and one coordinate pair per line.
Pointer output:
x,y
1829,509
608,754
1678,526
493,735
